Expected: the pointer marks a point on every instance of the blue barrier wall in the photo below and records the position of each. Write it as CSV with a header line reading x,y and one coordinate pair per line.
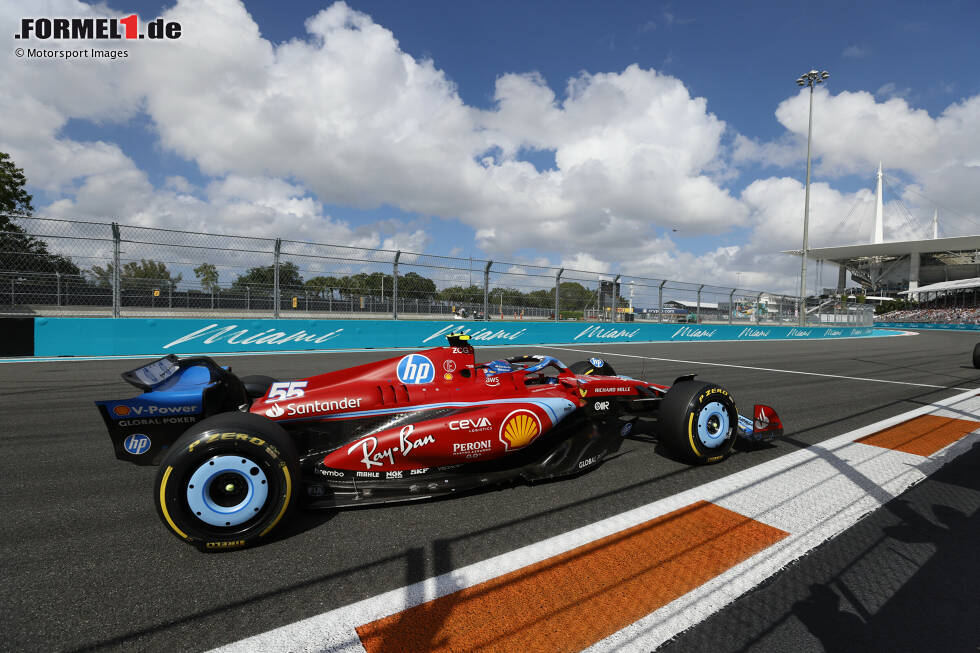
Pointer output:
x,y
107,336
928,325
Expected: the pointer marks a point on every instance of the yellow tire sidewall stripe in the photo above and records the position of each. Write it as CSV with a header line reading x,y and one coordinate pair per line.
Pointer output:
x,y
285,504
163,504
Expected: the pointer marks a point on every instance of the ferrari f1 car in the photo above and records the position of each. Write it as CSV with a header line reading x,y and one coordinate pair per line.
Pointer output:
x,y
236,454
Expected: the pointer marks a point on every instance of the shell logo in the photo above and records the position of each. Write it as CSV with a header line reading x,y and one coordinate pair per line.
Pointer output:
x,y
519,429
121,410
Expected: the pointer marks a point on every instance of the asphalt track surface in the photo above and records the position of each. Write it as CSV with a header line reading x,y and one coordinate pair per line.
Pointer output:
x,y
87,564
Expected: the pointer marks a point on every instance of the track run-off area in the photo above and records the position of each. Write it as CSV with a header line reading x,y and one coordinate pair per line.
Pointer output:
x,y
855,531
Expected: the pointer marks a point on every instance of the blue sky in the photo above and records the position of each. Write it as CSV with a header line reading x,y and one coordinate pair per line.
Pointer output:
x,y
897,62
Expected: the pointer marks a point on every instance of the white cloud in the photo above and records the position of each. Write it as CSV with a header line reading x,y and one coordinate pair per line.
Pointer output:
x,y
855,52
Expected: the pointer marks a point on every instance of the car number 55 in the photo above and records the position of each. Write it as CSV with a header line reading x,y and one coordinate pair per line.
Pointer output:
x,y
286,390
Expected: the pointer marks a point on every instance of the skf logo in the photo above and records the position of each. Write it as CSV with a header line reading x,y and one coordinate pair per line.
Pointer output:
x,y
415,369
519,429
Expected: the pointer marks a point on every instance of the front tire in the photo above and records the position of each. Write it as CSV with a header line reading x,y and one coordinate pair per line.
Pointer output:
x,y
227,482
976,356
698,422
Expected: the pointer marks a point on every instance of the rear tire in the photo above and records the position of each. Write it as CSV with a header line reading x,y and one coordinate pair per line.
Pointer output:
x,y
698,421
227,482
976,356
589,368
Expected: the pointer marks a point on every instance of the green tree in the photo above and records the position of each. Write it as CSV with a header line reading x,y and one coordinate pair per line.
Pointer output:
x,y
142,274
320,286
263,278
207,275
20,252
416,286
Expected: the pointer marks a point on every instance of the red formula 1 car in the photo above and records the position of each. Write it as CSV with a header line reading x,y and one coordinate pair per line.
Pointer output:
x,y
236,454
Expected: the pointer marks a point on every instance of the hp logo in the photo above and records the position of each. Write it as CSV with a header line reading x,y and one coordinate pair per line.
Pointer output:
x,y
136,444
597,362
415,369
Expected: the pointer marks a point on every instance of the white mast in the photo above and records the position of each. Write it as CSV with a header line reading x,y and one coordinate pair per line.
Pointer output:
x,y
879,232
935,224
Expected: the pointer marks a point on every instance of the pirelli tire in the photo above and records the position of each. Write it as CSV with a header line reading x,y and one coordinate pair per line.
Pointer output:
x,y
976,356
698,422
228,482
592,366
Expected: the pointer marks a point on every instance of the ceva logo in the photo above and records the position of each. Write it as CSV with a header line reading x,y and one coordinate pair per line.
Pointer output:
x,y
416,369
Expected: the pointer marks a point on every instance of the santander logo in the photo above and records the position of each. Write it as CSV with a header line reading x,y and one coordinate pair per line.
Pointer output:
x,y
275,411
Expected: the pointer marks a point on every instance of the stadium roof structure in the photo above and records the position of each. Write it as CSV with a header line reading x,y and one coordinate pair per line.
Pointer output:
x,y
959,284
955,246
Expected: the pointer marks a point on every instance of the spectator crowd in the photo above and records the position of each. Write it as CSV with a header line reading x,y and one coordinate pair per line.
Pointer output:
x,y
958,315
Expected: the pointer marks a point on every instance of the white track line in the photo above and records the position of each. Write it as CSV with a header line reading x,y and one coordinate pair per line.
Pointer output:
x,y
760,369
837,482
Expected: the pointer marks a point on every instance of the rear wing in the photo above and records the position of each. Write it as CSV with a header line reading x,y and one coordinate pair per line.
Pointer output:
x,y
176,393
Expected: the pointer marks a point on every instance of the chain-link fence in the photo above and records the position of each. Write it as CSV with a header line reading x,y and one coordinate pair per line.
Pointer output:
x,y
68,267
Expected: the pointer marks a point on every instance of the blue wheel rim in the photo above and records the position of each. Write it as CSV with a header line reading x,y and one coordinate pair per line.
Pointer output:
x,y
227,490
713,425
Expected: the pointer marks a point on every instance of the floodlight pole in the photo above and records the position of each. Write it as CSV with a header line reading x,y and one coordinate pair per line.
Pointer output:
x,y
807,79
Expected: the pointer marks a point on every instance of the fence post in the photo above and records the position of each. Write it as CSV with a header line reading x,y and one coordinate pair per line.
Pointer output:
x,y
758,307
557,286
731,305
57,276
394,287
486,291
115,269
248,298
698,309
170,294
615,306
275,279
660,301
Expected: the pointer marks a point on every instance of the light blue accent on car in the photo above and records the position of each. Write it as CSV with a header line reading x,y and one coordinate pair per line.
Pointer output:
x,y
713,424
555,407
243,474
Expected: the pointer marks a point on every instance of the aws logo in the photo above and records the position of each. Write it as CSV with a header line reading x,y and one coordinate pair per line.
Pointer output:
x,y
519,429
